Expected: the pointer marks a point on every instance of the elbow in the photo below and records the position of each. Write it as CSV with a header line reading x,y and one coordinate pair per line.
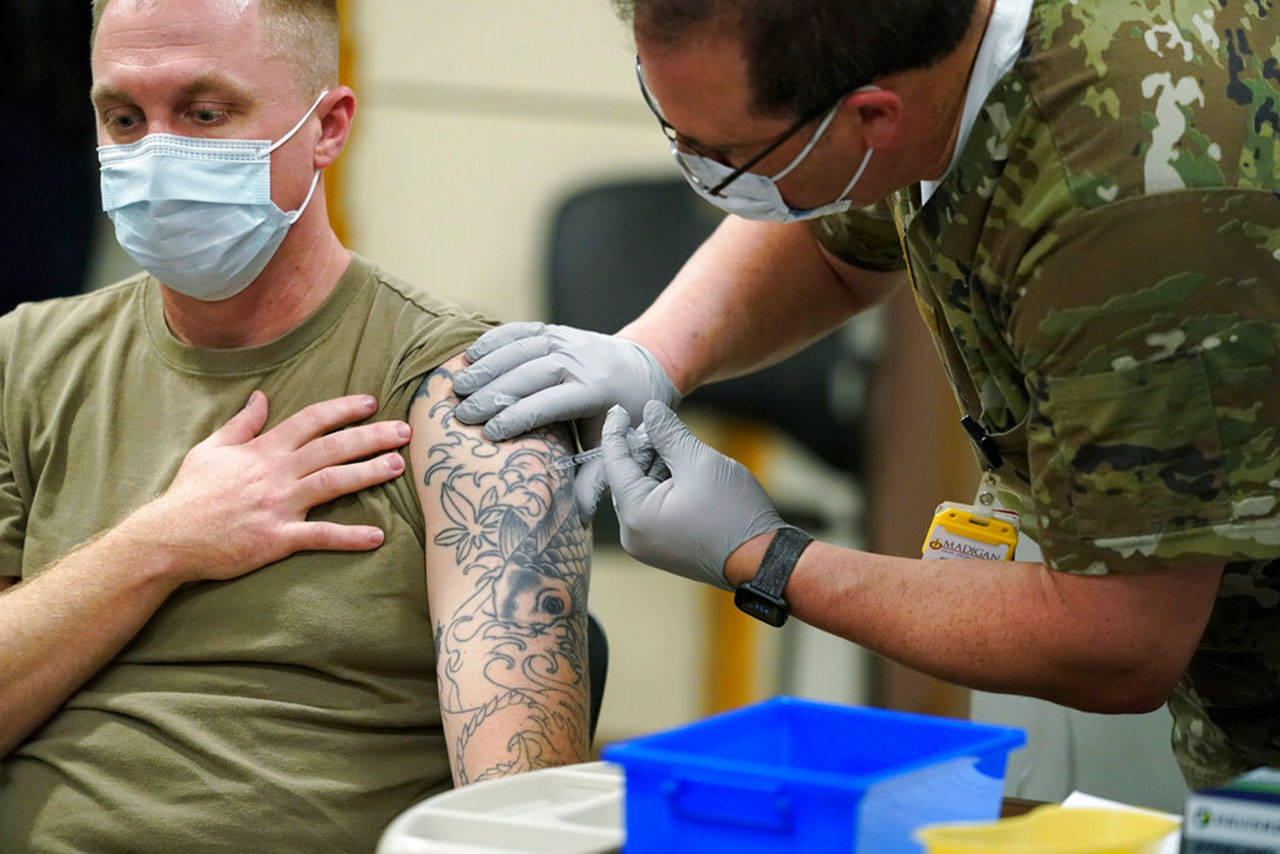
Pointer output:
x,y
1124,688
8,741
1151,689
1134,697
1120,694
1126,667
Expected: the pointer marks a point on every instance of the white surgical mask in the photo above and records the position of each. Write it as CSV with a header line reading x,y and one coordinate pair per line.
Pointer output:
x,y
197,213
757,197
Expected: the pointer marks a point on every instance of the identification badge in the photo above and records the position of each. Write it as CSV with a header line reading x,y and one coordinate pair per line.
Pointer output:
x,y
977,530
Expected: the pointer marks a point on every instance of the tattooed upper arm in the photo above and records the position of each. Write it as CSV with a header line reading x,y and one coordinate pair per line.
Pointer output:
x,y
507,561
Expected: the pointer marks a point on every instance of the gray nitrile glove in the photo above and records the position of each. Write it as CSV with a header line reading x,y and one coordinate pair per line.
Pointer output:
x,y
526,375
589,486
690,523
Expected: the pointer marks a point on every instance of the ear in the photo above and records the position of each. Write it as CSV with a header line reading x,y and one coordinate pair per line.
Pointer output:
x,y
336,113
881,113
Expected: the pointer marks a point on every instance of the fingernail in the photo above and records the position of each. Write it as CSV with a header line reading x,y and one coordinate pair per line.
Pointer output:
x,y
395,462
376,537
403,430
370,402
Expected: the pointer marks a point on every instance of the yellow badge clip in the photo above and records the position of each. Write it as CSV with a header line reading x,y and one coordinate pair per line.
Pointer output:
x,y
977,531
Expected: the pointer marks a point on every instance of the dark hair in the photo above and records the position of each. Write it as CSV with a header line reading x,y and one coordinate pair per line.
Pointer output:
x,y
802,55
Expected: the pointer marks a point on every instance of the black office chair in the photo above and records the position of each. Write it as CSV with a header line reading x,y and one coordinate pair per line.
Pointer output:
x,y
597,669
616,245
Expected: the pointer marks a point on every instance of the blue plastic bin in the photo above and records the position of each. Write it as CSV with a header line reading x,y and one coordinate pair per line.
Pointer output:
x,y
793,775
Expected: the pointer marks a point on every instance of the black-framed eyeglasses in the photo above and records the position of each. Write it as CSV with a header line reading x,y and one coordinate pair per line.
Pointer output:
x,y
673,136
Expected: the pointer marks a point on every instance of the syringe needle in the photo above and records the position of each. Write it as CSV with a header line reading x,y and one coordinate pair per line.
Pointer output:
x,y
637,441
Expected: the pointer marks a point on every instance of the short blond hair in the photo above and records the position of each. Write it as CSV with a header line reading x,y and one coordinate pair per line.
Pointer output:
x,y
306,29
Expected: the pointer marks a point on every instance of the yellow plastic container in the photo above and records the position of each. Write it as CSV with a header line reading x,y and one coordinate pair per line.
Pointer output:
x,y
1053,830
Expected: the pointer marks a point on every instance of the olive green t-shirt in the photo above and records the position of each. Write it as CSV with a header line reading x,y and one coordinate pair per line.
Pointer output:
x,y
291,709
1101,273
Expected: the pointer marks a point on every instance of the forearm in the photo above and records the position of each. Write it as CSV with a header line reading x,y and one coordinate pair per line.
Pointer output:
x,y
753,294
1108,644
64,625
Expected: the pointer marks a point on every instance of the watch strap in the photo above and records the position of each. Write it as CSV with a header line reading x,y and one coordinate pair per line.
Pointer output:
x,y
779,560
761,597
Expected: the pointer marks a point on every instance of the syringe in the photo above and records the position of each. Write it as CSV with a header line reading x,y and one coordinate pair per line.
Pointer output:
x,y
575,460
641,444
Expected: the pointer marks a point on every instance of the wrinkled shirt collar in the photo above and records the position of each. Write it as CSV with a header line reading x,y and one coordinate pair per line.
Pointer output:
x,y
997,55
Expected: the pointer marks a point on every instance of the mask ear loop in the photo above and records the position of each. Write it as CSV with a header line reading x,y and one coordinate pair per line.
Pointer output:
x,y
302,121
817,135
804,152
857,176
293,216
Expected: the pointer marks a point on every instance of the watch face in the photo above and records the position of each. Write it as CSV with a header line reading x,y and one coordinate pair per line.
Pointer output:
x,y
760,606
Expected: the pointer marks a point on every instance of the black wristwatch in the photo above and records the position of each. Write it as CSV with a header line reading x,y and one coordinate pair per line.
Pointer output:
x,y
761,597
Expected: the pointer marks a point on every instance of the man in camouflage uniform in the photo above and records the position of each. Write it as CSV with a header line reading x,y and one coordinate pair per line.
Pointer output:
x,y
1087,195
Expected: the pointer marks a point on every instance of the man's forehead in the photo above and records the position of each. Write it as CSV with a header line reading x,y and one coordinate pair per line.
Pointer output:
x,y
155,24
224,8
223,11
187,38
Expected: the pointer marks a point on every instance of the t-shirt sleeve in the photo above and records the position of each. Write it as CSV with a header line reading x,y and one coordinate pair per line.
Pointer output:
x,y
449,336
1149,333
863,237
13,512
427,341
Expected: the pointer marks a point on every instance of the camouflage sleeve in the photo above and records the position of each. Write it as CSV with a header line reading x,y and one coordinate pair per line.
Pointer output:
x,y
1149,333
863,237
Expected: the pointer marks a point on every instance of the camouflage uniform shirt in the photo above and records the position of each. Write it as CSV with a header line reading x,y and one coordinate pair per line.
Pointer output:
x,y
1101,272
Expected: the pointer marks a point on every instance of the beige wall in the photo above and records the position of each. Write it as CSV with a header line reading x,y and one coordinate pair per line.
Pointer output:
x,y
476,118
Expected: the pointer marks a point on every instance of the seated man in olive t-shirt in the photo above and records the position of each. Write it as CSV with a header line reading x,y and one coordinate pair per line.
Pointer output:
x,y
223,638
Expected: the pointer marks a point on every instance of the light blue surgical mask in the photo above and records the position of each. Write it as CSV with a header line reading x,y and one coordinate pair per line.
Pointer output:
x,y
196,213
757,197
